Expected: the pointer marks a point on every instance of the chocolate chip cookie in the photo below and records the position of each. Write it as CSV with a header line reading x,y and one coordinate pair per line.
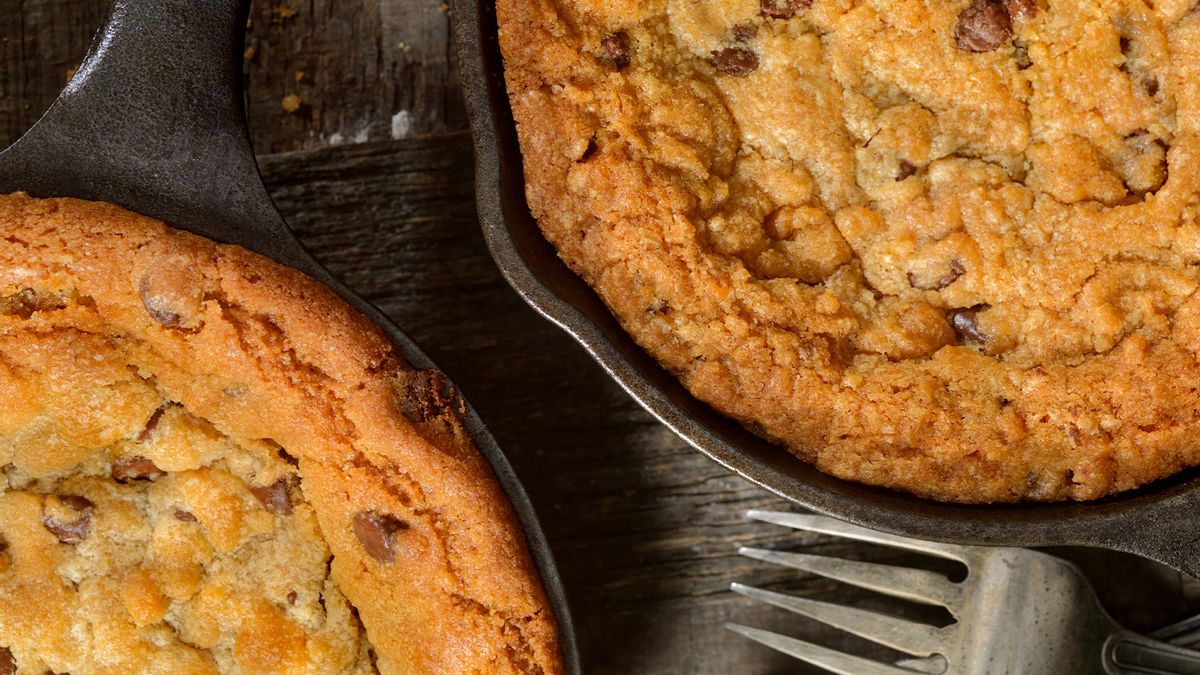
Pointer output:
x,y
211,464
949,247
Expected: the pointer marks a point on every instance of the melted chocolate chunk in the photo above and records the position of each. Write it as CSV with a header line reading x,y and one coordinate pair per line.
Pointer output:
x,y
276,497
907,169
966,323
983,26
736,61
292,597
157,308
151,425
8,663
614,48
428,395
72,531
782,9
956,270
377,532
135,467
184,516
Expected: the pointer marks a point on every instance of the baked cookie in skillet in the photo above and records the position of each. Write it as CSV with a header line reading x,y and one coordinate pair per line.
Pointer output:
x,y
212,464
944,246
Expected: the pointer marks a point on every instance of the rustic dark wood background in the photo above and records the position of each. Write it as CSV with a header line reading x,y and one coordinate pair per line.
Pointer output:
x,y
356,112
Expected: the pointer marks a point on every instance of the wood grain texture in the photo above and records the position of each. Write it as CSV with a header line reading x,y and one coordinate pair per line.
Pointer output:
x,y
360,71
41,43
644,528
363,71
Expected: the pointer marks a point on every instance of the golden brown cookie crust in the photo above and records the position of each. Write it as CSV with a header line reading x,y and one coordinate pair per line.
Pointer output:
x,y
948,247
423,543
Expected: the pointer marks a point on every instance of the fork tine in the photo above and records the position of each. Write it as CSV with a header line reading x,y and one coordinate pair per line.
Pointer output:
x,y
907,636
822,657
825,525
901,582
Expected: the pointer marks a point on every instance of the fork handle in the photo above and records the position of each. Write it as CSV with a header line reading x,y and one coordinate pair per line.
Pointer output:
x,y
1127,653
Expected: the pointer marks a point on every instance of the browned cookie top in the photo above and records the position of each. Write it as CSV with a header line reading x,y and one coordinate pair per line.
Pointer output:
x,y
945,246
212,464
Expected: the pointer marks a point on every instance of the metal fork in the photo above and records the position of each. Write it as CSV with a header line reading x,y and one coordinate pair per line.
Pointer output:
x,y
1018,611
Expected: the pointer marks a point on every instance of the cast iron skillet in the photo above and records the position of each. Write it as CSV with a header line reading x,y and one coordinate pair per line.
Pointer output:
x,y
1156,522
153,120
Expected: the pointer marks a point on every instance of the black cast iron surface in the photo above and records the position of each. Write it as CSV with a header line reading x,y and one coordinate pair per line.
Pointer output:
x,y
1157,521
153,120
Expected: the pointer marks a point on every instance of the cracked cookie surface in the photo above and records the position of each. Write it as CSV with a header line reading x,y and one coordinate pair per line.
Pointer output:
x,y
210,464
948,247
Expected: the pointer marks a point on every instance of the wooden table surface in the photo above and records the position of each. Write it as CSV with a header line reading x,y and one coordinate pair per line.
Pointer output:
x,y
357,115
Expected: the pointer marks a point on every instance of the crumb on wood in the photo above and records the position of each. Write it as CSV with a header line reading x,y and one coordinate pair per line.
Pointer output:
x,y
444,7
249,53
291,103
299,75
71,73
284,12
249,24
404,47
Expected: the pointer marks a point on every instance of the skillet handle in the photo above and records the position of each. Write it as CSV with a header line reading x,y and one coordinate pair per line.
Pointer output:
x,y
1165,527
153,120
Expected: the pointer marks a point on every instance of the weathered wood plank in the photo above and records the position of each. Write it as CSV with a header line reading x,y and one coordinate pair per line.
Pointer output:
x,y
41,42
363,71
360,71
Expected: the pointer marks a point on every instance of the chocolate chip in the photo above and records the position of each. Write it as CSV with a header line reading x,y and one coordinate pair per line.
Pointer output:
x,y
907,169
151,424
157,307
377,534
1150,87
276,497
184,516
135,467
8,663
782,9
72,531
966,323
292,597
614,48
983,26
744,32
956,271
427,395
1019,10
737,61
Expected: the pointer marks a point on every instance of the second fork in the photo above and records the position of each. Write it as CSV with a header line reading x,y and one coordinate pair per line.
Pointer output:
x,y
1018,611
